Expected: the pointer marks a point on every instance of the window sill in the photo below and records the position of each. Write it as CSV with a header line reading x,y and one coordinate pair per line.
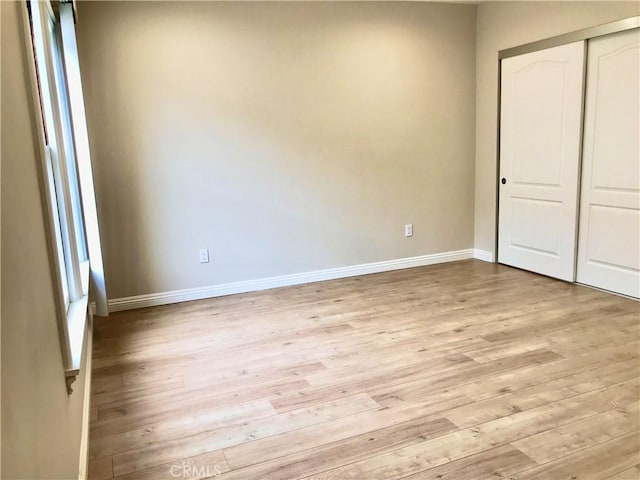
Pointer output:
x,y
76,330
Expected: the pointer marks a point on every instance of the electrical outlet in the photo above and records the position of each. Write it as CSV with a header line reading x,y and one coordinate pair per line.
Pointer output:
x,y
204,255
408,230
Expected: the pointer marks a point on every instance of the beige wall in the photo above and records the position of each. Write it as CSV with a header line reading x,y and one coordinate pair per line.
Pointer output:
x,y
508,24
41,424
284,137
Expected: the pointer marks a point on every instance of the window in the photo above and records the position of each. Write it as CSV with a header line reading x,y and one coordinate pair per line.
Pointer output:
x,y
68,177
61,164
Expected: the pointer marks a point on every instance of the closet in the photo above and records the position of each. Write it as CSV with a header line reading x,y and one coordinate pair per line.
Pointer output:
x,y
569,175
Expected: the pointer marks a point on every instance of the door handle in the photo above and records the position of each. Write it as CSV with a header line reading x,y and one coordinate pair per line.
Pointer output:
x,y
503,181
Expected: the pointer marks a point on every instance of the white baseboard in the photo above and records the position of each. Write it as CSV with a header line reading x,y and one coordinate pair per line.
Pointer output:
x,y
176,296
483,255
83,469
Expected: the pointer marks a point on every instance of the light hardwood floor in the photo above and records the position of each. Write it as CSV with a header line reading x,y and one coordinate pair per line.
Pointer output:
x,y
465,370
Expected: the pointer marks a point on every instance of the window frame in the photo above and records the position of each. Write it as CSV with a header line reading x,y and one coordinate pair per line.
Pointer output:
x,y
60,141
61,186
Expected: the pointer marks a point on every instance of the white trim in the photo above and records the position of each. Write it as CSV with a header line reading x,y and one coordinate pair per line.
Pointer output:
x,y
175,296
83,468
83,156
483,255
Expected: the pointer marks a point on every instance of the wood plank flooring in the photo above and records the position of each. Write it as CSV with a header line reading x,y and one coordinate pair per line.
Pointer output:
x,y
465,370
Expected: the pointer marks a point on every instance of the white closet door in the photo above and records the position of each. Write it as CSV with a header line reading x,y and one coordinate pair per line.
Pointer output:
x,y
540,131
609,240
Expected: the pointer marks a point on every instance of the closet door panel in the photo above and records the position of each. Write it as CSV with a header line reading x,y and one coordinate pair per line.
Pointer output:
x,y
609,238
540,128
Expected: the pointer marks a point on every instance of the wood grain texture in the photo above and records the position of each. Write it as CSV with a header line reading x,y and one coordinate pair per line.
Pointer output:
x,y
466,370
